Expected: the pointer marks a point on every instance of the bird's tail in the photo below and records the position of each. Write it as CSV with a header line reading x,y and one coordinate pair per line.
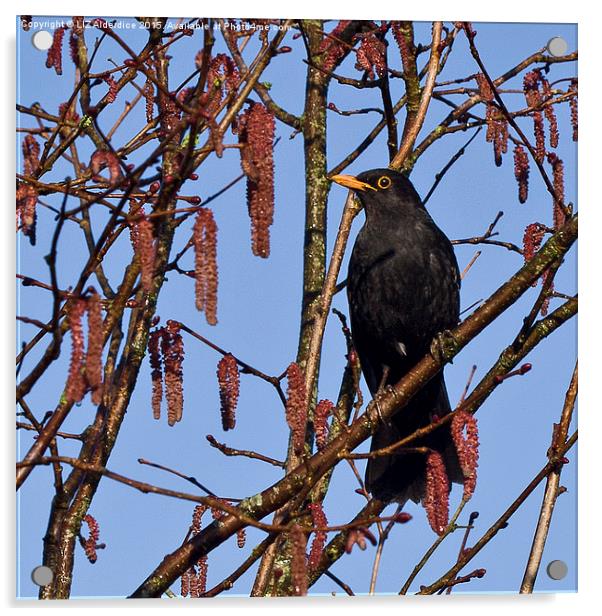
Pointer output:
x,y
401,477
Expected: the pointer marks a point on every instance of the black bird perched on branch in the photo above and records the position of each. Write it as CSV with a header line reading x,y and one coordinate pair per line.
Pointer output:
x,y
403,290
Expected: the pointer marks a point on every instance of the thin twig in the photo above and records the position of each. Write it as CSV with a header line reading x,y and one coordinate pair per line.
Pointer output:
x,y
189,478
350,210
450,528
229,451
551,491
427,91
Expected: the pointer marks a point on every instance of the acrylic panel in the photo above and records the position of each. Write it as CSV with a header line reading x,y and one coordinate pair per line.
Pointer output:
x,y
203,357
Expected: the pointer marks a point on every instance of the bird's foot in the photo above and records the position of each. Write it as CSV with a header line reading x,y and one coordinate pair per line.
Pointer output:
x,y
382,390
444,346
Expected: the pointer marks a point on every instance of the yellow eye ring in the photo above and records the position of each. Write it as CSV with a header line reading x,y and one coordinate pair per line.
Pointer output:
x,y
384,182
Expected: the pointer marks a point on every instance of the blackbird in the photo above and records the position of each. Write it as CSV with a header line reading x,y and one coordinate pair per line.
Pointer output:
x,y
403,290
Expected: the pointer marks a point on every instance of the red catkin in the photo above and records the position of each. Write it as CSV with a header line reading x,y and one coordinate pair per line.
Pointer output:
x,y
299,580
197,516
54,59
319,541
533,97
185,582
497,132
113,88
95,344
229,386
26,201
241,537
558,178
31,155
521,172
546,302
358,536
104,158
465,435
371,56
532,238
549,112
332,48
91,542
256,129
296,406
436,499
76,386
222,76
574,107
193,582
68,114
323,410
205,264
406,48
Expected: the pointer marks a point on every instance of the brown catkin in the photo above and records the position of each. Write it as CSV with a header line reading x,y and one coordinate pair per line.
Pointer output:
x,y
154,353
436,499
172,347
256,127
76,386
485,91
500,142
205,264
490,114
95,344
148,92
228,379
145,244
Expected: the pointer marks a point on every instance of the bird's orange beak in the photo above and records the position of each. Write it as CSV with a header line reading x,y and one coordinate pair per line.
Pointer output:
x,y
351,182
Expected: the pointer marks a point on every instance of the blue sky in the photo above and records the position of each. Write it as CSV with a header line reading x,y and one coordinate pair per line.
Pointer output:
x,y
258,320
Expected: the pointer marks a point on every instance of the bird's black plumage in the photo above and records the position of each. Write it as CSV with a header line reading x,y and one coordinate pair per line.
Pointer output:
x,y
403,290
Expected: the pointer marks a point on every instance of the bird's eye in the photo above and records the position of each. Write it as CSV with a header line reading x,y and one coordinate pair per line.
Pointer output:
x,y
384,182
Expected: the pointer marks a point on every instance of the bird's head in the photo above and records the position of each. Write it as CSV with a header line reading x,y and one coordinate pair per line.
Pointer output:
x,y
382,191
